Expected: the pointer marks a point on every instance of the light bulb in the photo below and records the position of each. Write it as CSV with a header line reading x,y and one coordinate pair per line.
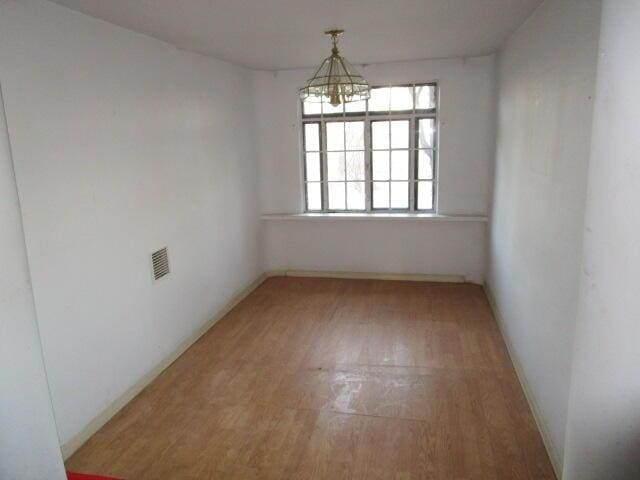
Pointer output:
x,y
334,99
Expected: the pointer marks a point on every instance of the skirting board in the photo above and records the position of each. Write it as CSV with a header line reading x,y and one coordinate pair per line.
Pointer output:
x,y
103,417
546,437
368,275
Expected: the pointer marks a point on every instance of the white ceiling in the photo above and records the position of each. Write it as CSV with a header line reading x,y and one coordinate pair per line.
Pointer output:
x,y
281,34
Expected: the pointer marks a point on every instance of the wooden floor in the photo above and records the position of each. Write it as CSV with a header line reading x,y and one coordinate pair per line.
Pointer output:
x,y
336,379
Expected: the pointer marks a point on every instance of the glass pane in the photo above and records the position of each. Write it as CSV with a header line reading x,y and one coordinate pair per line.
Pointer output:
x,y
400,134
380,165
425,164
355,196
425,97
355,165
313,167
354,134
352,107
380,194
314,197
400,165
399,194
425,195
328,109
335,165
335,136
336,195
311,108
402,98
426,130
379,101
380,135
312,137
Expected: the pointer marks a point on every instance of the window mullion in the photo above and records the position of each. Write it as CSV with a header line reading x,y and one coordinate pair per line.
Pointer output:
x,y
344,153
412,164
368,177
389,153
323,160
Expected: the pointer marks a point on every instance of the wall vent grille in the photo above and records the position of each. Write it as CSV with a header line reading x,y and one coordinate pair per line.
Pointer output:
x,y
160,261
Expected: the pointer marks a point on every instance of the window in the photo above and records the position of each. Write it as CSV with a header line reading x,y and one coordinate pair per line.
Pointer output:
x,y
378,155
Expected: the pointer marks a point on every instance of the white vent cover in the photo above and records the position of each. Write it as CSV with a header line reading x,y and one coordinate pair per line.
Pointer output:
x,y
160,262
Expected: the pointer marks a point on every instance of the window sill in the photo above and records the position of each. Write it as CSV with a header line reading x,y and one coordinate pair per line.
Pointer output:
x,y
431,217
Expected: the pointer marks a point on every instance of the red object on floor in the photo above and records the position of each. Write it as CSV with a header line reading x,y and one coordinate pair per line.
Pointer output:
x,y
82,476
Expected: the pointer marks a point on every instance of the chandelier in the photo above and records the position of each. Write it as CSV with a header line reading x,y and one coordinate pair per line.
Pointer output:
x,y
335,80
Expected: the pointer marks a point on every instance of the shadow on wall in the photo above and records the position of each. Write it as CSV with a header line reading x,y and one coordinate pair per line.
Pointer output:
x,y
621,458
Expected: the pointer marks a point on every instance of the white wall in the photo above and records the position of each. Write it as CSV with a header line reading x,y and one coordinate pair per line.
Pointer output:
x,y
467,132
385,245
546,82
603,431
123,144
467,128
28,440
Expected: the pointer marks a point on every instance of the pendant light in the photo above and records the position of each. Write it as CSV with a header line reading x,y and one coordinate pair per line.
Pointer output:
x,y
335,81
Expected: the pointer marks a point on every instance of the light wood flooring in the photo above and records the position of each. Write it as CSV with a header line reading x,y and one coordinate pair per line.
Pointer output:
x,y
333,379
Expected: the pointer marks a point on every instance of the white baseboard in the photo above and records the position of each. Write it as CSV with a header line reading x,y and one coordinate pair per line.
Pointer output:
x,y
103,417
369,275
528,392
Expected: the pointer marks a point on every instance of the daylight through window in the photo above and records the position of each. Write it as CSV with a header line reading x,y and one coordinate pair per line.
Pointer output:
x,y
378,155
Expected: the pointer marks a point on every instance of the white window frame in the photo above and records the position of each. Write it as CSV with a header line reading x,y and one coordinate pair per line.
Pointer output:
x,y
413,116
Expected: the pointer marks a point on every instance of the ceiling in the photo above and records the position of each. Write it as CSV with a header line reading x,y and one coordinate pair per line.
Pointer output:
x,y
283,34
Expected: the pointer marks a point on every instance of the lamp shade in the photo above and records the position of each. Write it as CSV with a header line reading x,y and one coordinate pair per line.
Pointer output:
x,y
335,81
